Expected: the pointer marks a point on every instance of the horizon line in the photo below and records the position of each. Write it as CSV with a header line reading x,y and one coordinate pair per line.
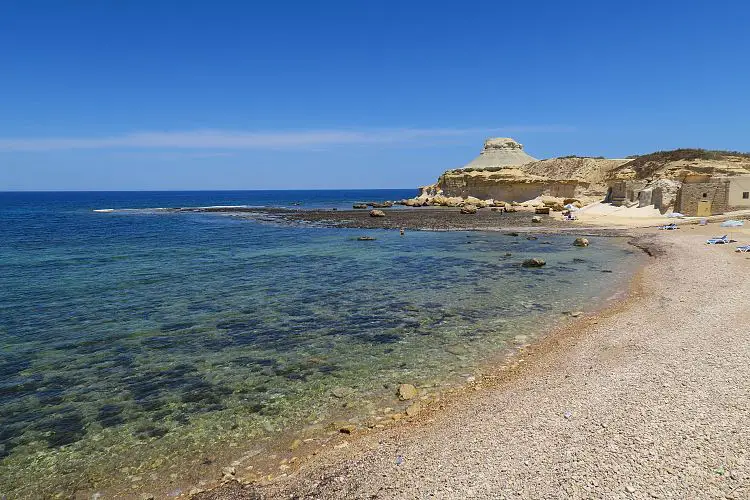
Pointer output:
x,y
196,190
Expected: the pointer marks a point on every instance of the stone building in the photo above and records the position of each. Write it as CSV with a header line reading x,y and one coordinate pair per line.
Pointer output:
x,y
702,195
739,193
696,195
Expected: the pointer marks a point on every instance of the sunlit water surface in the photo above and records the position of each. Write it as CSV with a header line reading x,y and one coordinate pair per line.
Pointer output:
x,y
133,340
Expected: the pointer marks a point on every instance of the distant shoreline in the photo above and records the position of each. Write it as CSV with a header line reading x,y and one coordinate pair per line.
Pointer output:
x,y
422,219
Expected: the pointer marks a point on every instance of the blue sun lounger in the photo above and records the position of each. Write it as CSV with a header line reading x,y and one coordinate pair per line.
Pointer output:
x,y
743,248
669,227
718,241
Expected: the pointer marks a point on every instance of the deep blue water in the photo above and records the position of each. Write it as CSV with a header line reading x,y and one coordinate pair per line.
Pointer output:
x,y
184,330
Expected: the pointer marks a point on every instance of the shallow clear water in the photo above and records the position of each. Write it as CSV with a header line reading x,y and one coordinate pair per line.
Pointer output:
x,y
140,338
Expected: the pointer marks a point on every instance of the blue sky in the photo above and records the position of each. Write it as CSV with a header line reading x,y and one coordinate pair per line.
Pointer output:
x,y
251,95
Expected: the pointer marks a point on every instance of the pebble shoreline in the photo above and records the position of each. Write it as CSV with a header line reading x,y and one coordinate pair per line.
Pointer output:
x,y
647,400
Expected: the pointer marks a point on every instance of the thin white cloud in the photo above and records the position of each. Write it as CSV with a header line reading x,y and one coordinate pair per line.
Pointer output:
x,y
237,140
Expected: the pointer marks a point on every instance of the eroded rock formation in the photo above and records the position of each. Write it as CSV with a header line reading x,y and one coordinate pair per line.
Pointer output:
x,y
504,172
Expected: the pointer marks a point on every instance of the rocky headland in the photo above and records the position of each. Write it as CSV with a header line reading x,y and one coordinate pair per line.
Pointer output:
x,y
503,175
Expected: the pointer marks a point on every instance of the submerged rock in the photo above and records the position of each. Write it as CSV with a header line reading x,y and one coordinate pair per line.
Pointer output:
x,y
342,392
581,242
359,206
456,350
406,392
535,262
365,238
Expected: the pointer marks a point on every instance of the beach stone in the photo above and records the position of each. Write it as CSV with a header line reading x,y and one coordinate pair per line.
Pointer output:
x,y
146,496
414,409
468,209
347,428
536,219
377,213
406,392
575,314
535,262
228,472
359,206
581,242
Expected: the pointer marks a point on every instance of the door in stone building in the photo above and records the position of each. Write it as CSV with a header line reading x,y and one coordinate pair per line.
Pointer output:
x,y
704,208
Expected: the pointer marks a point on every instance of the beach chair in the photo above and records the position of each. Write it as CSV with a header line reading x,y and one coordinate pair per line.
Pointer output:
x,y
743,248
718,241
669,227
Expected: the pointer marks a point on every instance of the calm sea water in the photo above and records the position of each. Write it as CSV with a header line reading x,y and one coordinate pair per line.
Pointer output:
x,y
132,340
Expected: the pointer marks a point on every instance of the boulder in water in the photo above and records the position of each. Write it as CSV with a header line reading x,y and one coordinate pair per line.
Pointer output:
x,y
406,392
581,242
535,262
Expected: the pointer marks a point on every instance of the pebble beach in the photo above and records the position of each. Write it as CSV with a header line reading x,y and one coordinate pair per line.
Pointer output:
x,y
646,399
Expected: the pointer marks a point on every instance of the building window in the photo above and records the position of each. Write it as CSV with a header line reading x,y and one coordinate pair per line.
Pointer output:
x,y
746,195
705,195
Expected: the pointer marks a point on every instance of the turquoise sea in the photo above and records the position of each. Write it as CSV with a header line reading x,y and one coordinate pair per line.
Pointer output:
x,y
135,344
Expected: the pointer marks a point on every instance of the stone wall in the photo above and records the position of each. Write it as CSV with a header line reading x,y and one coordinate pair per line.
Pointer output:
x,y
715,190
